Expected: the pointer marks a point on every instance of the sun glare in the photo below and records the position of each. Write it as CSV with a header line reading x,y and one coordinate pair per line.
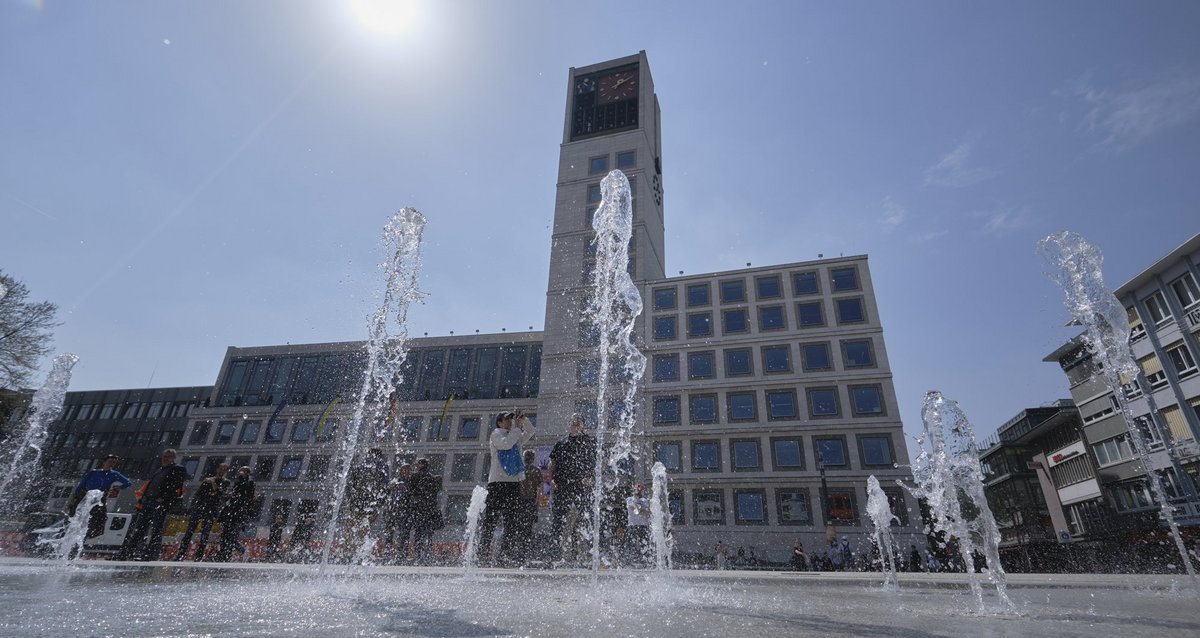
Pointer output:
x,y
388,17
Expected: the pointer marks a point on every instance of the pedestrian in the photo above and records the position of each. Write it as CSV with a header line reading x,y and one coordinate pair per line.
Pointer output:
x,y
298,546
206,506
835,556
161,492
637,526
799,558
275,536
423,511
847,554
914,559
504,483
366,491
238,510
103,479
531,492
572,468
398,525
722,555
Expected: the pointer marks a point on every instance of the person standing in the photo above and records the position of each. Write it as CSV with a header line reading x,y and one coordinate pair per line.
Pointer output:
x,y
160,493
572,469
206,505
799,558
504,482
834,554
531,492
236,514
424,515
722,555
366,490
101,479
637,527
398,524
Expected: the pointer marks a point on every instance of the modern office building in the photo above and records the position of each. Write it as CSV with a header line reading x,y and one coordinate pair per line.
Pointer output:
x,y
133,424
768,397
1163,303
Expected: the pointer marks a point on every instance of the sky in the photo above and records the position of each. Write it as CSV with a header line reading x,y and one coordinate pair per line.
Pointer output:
x,y
180,177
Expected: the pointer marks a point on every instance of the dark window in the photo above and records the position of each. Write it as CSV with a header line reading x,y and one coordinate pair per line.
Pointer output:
x,y
769,287
290,470
832,452
458,373
698,295
857,354
751,507
302,430
483,385
844,278
410,429
771,318
462,469
815,356
850,310
626,159
700,324
264,469
776,359
742,406
587,372
468,429
733,291
225,433
737,362
810,314
781,404
805,283
787,454
823,402
701,365
876,450
439,428
792,505
899,508
433,365
867,400
275,431
593,193
746,455
708,507
666,367
512,372
250,430
665,327
735,320
664,299
666,410
200,433
211,464
840,507
703,408
318,466
706,456
598,165
668,453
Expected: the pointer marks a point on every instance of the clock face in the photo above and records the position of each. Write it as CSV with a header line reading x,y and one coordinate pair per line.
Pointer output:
x,y
621,85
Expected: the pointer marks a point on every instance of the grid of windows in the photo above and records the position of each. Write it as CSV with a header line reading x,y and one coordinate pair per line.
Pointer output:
x,y
1114,450
1071,471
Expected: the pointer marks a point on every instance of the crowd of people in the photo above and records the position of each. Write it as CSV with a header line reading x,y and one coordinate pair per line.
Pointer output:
x,y
391,518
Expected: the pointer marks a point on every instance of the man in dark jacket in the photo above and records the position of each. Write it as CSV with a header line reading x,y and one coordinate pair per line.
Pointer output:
x,y
366,491
572,472
236,513
206,505
161,492
424,515
398,527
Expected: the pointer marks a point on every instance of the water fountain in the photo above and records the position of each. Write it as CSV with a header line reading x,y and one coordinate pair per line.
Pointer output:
x,y
1077,268
613,309
470,542
67,546
947,472
660,517
385,352
24,454
880,513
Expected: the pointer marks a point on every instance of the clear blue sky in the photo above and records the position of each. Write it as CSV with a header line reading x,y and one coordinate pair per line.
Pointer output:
x,y
184,176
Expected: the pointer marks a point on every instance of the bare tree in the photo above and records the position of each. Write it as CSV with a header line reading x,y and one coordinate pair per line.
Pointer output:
x,y
25,332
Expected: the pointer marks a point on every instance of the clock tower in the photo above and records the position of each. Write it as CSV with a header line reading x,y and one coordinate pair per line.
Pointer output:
x,y
612,122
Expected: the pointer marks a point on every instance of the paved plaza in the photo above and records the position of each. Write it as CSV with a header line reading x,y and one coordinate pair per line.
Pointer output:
x,y
103,598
